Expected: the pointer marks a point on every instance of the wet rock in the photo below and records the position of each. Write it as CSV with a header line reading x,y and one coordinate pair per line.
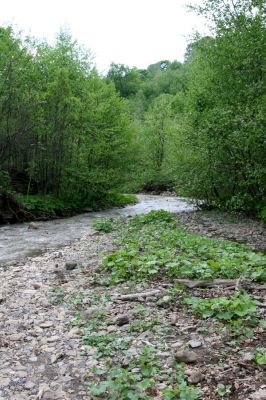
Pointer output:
x,y
71,265
186,356
194,344
122,320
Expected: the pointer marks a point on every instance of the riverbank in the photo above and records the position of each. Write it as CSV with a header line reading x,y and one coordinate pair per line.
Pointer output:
x,y
64,328
18,208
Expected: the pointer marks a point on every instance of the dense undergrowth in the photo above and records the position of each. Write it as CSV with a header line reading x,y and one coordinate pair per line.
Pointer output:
x,y
50,203
20,208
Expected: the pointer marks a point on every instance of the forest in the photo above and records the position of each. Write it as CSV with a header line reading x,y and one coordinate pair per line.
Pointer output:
x,y
72,138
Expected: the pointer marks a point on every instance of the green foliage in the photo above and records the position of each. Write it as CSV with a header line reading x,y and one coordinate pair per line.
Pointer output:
x,y
41,203
64,131
260,356
154,245
122,383
223,390
240,305
106,225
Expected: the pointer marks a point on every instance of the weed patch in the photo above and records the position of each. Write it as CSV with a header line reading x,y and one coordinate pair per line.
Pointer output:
x,y
154,245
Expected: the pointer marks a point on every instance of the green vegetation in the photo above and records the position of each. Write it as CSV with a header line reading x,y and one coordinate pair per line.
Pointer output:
x,y
201,124
65,133
260,356
223,308
153,245
123,383
196,127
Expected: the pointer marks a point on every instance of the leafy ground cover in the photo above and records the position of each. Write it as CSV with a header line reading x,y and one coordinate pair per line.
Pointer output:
x,y
162,340
154,245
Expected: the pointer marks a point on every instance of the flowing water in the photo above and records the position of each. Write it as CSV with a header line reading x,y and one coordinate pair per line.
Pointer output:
x,y
18,241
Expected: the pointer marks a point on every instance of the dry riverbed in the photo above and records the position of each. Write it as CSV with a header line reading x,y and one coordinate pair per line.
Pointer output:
x,y
60,331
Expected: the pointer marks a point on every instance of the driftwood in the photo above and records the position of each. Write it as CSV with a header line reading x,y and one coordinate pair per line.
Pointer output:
x,y
229,283
137,296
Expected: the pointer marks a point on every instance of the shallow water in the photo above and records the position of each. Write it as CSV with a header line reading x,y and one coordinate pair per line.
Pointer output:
x,y
17,242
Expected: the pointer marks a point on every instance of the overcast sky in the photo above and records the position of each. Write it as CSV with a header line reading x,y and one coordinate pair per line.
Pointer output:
x,y
132,32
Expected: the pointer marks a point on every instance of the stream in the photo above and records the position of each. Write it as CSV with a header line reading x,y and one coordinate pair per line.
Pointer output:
x,y
17,242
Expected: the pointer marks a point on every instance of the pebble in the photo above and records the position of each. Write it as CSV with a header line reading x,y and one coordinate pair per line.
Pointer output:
x,y
29,385
47,324
194,344
4,382
186,356
195,377
70,265
259,395
122,320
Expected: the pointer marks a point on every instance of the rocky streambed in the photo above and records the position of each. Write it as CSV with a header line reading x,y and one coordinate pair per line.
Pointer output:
x,y
48,302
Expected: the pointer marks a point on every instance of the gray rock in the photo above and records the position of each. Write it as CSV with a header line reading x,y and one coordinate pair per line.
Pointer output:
x,y
29,385
186,356
88,314
195,377
259,395
4,382
163,301
32,225
122,320
194,344
70,265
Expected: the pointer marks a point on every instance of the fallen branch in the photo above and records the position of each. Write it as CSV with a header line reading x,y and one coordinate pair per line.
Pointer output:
x,y
137,296
229,283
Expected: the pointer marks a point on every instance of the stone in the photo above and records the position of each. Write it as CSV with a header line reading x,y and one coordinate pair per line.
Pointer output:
x,y
248,356
87,314
195,377
176,345
164,354
36,286
29,385
16,337
186,356
259,395
194,344
70,265
32,225
4,382
163,301
122,320
47,324
111,328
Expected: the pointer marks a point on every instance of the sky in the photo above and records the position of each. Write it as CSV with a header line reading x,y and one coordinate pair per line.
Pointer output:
x,y
132,32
